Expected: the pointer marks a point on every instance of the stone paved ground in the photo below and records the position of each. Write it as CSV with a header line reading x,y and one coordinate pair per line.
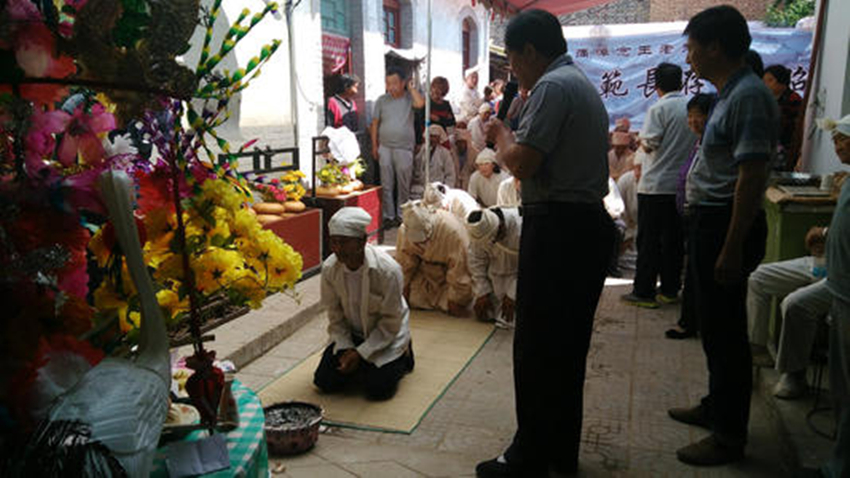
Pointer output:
x,y
634,375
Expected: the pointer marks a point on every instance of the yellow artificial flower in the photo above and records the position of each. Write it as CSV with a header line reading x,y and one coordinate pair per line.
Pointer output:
x,y
130,321
221,193
105,101
244,223
170,267
106,298
160,226
171,303
98,248
215,268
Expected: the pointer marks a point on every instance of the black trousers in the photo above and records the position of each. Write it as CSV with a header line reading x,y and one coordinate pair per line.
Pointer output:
x,y
722,314
660,245
564,252
380,383
688,314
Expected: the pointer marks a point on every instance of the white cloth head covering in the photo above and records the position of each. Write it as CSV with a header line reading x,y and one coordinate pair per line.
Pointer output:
x,y
435,194
349,222
418,221
485,108
470,71
486,155
438,130
482,225
841,126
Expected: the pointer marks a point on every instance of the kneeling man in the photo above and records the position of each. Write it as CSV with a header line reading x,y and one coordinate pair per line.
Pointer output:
x,y
494,261
368,318
431,247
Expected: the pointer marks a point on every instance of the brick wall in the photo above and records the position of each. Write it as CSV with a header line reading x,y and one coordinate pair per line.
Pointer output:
x,y
641,11
672,10
620,11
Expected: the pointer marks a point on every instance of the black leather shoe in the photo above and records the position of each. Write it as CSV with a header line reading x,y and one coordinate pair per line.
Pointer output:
x,y
692,416
677,334
497,469
710,452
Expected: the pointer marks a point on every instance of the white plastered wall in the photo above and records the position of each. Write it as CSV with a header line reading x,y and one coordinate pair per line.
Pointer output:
x,y
832,86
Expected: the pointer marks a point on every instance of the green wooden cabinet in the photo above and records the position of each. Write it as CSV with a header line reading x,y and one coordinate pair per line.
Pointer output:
x,y
787,225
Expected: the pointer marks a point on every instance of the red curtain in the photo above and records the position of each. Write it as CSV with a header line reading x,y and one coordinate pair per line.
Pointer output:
x,y
335,53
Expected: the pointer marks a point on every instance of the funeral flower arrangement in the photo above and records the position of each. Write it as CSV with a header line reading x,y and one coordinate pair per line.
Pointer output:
x,y
289,187
88,86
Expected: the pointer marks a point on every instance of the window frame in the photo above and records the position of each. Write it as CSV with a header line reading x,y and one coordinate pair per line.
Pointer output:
x,y
394,8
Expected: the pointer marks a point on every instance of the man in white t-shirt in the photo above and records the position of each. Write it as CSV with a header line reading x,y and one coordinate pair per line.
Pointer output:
x,y
667,140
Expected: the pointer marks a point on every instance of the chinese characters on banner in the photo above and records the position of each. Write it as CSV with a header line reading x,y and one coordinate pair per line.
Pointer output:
x,y
623,67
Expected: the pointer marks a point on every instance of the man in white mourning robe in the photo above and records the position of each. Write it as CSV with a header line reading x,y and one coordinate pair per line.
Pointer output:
x,y
368,317
494,235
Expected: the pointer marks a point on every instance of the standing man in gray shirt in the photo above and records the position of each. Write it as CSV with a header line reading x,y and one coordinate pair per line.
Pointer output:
x,y
394,139
666,139
727,227
561,156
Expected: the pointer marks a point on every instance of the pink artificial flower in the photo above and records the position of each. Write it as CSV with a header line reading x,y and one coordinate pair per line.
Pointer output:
x,y
81,191
82,135
40,140
22,11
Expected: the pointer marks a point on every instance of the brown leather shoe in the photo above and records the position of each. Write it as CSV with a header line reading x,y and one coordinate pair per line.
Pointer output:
x,y
692,416
709,452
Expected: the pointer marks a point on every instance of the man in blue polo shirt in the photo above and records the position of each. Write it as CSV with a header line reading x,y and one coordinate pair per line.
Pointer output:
x,y
724,193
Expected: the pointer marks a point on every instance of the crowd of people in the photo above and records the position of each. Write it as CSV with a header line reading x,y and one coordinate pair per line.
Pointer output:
x,y
460,154
526,215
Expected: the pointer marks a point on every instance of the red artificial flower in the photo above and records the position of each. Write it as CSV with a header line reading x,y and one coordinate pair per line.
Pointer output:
x,y
41,227
155,190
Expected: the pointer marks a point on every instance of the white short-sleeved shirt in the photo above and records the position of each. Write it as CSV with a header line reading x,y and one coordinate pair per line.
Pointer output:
x,y
564,119
665,131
